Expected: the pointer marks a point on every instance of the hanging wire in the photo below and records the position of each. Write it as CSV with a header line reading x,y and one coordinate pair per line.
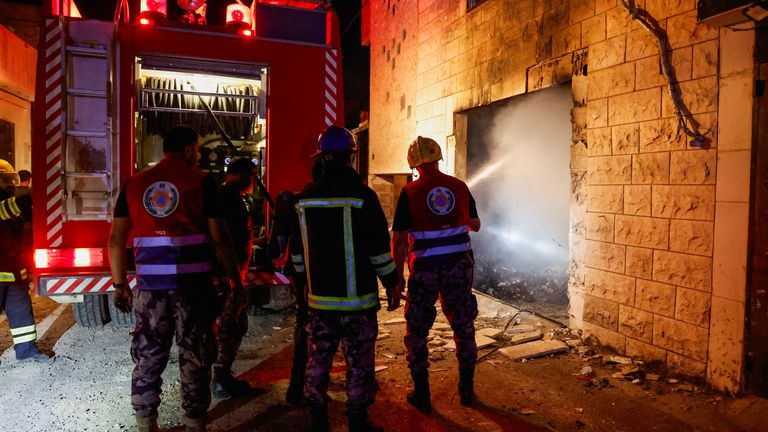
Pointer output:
x,y
685,122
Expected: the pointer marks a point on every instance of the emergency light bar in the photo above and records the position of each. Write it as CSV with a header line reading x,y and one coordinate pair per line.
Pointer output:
x,y
78,257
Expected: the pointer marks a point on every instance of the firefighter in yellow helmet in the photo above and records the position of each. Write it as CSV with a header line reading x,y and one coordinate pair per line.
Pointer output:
x,y
14,276
433,218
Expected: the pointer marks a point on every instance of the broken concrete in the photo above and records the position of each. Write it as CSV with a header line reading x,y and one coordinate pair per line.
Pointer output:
x,y
534,349
525,337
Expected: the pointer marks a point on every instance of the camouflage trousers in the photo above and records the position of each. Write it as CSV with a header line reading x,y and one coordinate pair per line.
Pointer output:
x,y
232,325
162,316
299,366
452,283
357,334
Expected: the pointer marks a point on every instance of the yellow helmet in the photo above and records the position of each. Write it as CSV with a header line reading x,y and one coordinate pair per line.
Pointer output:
x,y
8,176
423,150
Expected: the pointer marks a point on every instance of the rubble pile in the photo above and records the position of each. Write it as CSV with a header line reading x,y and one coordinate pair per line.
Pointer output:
x,y
519,283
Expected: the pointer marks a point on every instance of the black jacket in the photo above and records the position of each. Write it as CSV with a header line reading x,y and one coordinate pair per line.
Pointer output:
x,y
340,243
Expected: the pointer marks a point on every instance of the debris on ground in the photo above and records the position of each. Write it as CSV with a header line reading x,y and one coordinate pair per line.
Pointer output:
x,y
394,321
534,349
525,337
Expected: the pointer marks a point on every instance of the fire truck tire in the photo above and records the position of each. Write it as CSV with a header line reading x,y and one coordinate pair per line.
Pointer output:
x,y
120,319
93,311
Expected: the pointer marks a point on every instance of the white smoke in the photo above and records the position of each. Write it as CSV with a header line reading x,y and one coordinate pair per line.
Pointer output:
x,y
518,169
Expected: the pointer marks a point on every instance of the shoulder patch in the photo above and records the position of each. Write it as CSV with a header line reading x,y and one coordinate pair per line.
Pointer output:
x,y
161,199
441,201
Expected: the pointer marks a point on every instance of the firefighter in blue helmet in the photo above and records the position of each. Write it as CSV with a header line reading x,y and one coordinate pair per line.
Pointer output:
x,y
15,209
173,213
339,245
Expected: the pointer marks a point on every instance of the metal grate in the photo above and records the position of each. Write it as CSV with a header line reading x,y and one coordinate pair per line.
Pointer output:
x,y
471,4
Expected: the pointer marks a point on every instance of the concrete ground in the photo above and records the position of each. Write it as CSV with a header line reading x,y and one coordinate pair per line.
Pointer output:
x,y
86,388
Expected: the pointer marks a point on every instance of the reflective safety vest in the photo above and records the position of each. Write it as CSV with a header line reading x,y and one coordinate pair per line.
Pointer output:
x,y
345,242
439,209
169,227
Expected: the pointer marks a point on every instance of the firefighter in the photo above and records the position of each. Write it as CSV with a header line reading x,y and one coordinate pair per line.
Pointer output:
x,y
14,276
433,217
278,242
173,213
339,245
233,320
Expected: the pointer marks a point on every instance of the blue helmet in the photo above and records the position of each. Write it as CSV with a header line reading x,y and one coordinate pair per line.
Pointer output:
x,y
335,139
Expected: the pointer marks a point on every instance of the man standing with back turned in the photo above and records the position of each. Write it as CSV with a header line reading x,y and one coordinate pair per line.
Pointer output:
x,y
433,217
172,213
339,244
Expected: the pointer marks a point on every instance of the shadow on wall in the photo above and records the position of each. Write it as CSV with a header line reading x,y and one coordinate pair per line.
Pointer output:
x,y
518,155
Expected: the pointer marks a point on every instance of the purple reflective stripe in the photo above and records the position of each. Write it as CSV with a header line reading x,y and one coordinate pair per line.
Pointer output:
x,y
442,250
169,269
190,240
422,235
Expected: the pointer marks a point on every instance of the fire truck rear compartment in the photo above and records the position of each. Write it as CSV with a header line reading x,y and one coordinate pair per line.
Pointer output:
x,y
174,91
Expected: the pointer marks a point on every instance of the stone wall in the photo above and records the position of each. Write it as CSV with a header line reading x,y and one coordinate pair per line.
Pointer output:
x,y
651,216
17,90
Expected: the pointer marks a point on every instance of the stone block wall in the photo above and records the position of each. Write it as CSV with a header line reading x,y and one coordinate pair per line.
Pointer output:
x,y
651,216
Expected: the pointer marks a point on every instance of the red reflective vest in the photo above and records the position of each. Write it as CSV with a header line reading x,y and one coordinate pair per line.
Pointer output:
x,y
169,226
439,208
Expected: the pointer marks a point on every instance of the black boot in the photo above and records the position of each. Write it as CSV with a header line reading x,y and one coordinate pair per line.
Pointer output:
x,y
319,419
466,384
225,385
420,397
359,422
295,393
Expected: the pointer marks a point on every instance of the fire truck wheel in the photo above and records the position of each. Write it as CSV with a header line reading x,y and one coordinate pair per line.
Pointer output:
x,y
93,311
120,319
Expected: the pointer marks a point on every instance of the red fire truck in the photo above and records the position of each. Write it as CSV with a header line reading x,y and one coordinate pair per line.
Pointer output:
x,y
270,72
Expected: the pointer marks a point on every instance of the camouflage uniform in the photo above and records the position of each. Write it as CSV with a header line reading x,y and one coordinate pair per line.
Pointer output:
x,y
451,282
357,333
161,316
232,326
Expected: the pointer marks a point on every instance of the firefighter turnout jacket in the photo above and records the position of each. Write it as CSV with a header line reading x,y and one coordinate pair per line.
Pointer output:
x,y
435,210
340,243
167,208
13,265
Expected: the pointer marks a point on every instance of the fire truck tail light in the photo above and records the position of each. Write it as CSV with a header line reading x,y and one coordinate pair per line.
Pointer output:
x,y
146,21
246,32
80,257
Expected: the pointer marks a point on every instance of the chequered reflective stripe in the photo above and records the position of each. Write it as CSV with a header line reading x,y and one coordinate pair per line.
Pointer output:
x,y
54,118
24,334
331,100
82,285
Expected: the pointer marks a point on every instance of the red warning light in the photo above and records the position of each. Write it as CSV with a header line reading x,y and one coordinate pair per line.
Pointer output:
x,y
246,32
151,10
239,16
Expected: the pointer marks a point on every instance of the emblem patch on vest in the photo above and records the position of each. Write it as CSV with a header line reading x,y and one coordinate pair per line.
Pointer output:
x,y
161,199
441,201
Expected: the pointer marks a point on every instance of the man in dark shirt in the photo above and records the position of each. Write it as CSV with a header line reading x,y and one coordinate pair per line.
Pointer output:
x,y
233,320
173,214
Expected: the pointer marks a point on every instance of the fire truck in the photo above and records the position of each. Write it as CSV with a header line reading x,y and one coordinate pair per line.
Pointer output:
x,y
260,79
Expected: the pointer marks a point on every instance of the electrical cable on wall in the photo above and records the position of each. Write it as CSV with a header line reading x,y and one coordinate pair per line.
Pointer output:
x,y
685,122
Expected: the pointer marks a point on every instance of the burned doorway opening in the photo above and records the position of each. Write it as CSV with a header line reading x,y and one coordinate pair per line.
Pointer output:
x,y
518,155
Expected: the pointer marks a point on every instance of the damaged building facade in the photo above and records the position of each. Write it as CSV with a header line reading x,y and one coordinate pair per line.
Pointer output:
x,y
659,262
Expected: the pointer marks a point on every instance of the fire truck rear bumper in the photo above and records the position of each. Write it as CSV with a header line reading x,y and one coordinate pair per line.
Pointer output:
x,y
76,285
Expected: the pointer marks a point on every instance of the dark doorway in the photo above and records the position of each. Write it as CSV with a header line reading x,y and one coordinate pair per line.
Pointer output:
x,y
7,142
518,154
757,326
